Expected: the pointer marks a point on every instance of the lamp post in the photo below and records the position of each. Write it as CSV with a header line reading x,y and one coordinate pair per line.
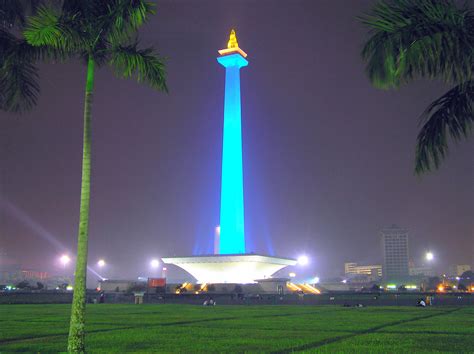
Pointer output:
x,y
155,263
303,260
64,259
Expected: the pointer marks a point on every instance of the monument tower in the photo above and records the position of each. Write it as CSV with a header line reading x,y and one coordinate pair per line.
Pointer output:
x,y
231,263
232,237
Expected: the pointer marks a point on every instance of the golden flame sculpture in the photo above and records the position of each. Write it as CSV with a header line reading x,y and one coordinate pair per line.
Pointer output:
x,y
232,40
232,46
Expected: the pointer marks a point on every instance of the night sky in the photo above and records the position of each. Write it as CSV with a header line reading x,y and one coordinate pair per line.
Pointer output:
x,y
328,159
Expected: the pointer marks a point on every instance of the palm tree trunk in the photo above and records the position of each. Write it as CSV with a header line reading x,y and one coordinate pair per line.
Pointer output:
x,y
76,343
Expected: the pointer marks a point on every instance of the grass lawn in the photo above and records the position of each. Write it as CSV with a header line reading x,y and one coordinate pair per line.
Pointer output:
x,y
187,328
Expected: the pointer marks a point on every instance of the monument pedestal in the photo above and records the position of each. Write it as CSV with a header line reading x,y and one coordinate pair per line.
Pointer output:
x,y
230,268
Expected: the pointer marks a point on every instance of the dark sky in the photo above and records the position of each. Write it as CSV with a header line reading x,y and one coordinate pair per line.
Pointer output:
x,y
328,159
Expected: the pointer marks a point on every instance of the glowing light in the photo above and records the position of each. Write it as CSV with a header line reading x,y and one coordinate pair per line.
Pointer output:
x,y
101,263
315,280
344,281
292,275
65,259
303,260
391,286
310,289
155,263
293,287
232,238
429,256
441,288
69,288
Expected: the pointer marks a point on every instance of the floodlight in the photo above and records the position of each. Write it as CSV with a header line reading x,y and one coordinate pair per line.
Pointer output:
x,y
65,259
429,256
303,260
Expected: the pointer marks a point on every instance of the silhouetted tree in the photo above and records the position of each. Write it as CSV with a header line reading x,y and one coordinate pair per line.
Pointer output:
x,y
432,39
433,283
23,285
375,288
19,87
466,278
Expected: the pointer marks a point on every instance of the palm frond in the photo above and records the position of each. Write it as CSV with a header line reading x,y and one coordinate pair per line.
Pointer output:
x,y
48,28
123,17
11,12
423,38
143,64
452,116
18,84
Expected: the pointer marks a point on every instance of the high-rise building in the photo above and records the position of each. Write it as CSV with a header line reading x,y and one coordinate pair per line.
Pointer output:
x,y
395,253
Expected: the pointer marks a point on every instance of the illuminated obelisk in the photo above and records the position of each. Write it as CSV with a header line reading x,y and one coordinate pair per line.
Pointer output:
x,y
232,238
230,263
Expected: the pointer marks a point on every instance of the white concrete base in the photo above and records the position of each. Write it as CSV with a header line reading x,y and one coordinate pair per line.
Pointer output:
x,y
238,268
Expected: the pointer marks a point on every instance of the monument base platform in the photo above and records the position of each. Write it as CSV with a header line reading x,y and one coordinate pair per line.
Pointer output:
x,y
230,268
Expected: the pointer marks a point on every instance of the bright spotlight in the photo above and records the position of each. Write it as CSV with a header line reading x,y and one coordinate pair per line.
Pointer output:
x,y
65,259
429,256
155,263
101,263
303,260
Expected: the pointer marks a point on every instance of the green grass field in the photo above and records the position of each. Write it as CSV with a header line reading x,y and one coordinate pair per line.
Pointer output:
x,y
187,328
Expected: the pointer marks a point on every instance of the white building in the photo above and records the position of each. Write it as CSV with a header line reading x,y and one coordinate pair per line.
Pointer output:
x,y
395,253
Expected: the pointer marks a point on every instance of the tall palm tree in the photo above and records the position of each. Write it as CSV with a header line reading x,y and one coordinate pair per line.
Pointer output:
x,y
432,39
102,32
19,86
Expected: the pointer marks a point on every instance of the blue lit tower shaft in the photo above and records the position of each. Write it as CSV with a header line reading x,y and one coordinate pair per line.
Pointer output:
x,y
232,237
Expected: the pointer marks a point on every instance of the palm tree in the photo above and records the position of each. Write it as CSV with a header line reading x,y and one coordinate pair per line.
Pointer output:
x,y
101,32
432,39
19,86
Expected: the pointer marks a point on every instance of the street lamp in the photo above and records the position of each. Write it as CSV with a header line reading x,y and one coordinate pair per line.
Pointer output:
x,y
155,263
64,260
101,263
303,260
429,256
